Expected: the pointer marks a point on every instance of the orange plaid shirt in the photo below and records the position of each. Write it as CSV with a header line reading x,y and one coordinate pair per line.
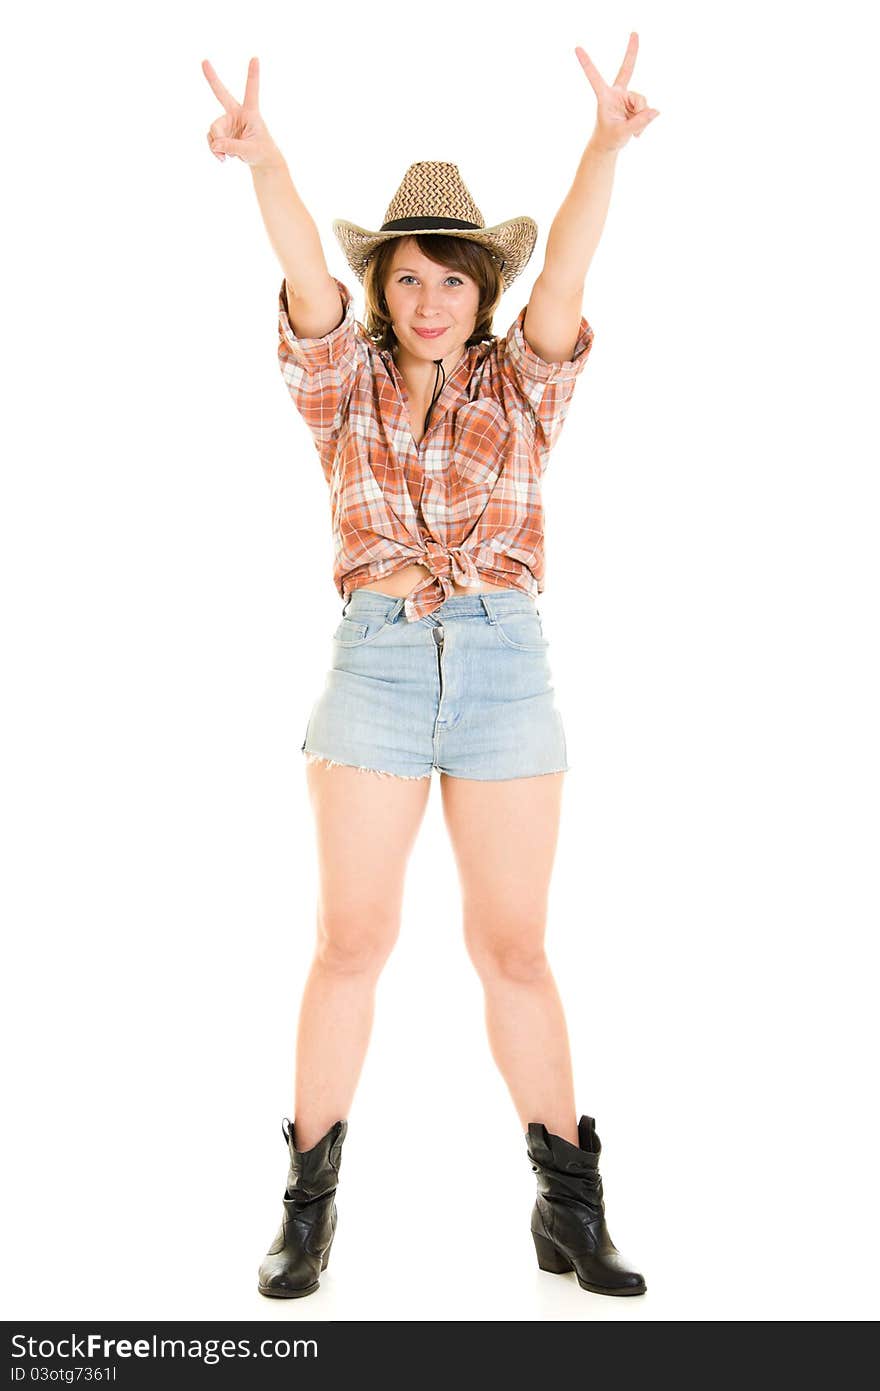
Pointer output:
x,y
466,501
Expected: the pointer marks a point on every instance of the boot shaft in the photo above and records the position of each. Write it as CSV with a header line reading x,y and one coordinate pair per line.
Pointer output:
x,y
314,1173
567,1171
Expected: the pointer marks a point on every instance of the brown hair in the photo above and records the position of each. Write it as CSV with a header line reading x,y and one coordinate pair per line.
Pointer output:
x,y
458,253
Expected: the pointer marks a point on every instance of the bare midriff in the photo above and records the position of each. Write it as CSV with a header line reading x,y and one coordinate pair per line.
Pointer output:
x,y
402,582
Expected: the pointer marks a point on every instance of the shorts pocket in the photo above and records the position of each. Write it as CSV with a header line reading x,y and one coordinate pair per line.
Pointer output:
x,y
353,632
522,631
349,633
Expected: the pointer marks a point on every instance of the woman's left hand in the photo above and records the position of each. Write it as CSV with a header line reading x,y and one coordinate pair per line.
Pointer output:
x,y
621,113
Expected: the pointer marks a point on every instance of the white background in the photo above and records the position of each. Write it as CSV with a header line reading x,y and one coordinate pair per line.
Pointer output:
x,y
711,604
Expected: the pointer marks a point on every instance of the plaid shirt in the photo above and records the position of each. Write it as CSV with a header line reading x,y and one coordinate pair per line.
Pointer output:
x,y
466,501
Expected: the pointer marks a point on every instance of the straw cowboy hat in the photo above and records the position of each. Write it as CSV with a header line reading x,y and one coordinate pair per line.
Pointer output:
x,y
433,197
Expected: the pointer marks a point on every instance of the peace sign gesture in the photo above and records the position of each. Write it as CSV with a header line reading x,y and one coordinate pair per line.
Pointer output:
x,y
621,113
241,131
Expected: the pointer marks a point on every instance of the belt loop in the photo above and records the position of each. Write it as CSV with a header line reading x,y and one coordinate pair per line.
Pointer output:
x,y
396,609
487,605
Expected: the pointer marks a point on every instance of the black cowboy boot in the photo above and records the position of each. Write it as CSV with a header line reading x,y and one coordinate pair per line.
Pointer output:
x,y
568,1219
301,1249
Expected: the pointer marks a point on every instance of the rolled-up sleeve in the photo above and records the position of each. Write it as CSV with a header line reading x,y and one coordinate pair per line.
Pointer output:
x,y
319,372
546,387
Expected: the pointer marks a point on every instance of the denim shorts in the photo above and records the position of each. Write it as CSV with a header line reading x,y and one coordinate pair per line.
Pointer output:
x,y
466,690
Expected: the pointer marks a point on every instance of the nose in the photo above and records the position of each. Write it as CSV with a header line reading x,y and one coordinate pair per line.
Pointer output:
x,y
426,307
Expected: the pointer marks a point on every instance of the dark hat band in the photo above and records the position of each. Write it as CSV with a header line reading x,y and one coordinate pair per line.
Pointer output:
x,y
428,224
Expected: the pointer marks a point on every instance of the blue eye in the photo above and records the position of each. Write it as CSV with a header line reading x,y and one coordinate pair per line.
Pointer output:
x,y
412,277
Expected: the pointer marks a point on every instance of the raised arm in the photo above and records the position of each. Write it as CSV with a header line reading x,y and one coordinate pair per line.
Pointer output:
x,y
554,313
313,300
314,306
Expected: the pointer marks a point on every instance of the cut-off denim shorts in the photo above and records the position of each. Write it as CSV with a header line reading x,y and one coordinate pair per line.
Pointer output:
x,y
466,690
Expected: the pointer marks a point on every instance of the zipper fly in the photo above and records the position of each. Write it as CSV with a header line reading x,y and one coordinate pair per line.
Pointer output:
x,y
439,635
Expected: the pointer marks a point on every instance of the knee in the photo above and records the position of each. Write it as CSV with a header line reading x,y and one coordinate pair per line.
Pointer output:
x,y
355,942
512,956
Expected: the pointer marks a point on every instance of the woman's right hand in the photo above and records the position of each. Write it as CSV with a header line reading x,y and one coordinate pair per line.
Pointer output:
x,y
241,131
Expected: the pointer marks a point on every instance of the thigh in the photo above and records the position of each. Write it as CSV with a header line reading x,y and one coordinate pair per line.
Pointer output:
x,y
365,827
504,836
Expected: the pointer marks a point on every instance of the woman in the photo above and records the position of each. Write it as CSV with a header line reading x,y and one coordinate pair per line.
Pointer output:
x,y
433,435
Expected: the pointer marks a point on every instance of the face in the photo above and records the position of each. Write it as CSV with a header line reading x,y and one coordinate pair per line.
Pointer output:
x,y
424,295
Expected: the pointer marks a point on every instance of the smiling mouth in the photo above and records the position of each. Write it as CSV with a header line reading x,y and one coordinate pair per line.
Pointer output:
x,y
430,332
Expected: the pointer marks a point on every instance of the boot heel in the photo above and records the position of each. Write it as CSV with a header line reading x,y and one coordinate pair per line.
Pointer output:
x,y
549,1258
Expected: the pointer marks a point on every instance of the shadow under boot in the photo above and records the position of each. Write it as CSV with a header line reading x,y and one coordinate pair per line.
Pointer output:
x,y
568,1219
292,1266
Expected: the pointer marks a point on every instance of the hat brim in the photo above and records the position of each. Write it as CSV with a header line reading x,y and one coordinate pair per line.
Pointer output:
x,y
511,243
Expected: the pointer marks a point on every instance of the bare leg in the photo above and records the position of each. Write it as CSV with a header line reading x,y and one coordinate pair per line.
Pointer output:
x,y
366,827
504,837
